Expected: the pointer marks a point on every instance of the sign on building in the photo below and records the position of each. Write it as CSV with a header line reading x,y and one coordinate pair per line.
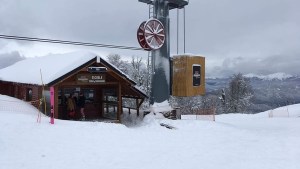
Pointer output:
x,y
90,78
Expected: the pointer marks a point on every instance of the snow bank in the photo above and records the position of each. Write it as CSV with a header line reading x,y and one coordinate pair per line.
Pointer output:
x,y
13,105
160,107
233,141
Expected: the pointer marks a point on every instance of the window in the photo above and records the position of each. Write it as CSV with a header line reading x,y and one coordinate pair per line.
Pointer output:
x,y
196,75
110,103
89,95
28,94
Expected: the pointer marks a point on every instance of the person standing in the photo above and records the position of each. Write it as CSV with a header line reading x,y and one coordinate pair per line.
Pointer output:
x,y
71,105
81,104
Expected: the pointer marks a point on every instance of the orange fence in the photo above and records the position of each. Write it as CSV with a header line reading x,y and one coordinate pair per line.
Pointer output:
x,y
280,112
201,114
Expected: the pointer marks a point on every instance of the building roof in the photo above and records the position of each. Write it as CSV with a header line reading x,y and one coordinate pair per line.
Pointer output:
x,y
54,67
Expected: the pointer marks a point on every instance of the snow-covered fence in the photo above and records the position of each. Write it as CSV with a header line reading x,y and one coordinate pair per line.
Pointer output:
x,y
280,112
201,114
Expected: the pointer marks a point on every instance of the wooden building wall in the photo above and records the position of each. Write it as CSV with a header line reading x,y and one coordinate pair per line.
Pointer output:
x,y
183,76
6,88
19,90
112,79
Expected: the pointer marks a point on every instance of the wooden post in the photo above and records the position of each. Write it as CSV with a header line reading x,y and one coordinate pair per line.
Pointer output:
x,y
56,113
101,103
121,106
106,103
119,103
52,105
137,107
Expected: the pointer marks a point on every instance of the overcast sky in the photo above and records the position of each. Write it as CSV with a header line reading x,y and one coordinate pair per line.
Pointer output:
x,y
257,36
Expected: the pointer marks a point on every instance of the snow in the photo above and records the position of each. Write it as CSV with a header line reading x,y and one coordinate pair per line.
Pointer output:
x,y
140,90
234,141
279,76
52,67
160,107
163,64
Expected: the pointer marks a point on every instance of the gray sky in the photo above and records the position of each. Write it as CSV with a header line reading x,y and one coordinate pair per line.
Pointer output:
x,y
257,36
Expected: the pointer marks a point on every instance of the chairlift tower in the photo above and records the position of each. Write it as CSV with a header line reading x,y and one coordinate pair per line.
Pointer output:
x,y
156,38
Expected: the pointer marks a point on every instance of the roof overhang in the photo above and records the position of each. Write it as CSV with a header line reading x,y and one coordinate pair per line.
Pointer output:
x,y
74,71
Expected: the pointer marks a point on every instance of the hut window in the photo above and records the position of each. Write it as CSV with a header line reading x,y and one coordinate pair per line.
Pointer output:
x,y
62,98
110,103
89,95
28,94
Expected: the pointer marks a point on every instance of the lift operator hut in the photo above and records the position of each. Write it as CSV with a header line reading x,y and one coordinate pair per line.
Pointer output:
x,y
188,75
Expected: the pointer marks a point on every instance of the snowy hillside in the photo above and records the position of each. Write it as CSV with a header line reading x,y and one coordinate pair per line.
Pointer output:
x,y
274,76
234,141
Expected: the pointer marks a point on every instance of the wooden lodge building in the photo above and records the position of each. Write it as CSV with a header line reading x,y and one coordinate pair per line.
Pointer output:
x,y
103,85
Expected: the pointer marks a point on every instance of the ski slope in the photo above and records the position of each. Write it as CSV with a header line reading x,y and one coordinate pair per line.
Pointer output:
x,y
233,141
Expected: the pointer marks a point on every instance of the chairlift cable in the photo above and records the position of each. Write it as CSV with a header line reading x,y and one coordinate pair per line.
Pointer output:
x,y
67,42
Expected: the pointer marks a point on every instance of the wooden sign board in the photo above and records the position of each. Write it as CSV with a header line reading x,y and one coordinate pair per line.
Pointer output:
x,y
188,75
89,79
97,69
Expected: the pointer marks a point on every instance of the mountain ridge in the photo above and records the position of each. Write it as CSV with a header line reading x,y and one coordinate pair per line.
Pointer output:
x,y
272,76
269,92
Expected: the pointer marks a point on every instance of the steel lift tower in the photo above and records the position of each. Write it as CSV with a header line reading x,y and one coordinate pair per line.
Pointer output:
x,y
157,37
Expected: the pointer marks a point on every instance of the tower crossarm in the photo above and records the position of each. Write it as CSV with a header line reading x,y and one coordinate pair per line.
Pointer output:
x,y
172,3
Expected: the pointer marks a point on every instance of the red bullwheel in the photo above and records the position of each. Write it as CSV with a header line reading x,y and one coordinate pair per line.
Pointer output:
x,y
154,33
141,37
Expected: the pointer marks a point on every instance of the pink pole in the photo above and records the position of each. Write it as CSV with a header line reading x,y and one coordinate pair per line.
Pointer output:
x,y
52,105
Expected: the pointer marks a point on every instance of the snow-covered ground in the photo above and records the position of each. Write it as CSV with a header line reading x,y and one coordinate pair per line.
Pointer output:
x,y
233,141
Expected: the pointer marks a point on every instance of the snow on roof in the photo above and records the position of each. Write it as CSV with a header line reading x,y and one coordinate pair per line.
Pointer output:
x,y
119,71
138,88
52,66
127,77
186,54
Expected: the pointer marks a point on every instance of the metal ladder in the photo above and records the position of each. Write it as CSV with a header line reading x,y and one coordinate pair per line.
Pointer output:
x,y
151,10
149,61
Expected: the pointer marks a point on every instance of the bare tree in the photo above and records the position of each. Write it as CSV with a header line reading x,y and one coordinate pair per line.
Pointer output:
x,y
186,104
139,71
239,93
116,60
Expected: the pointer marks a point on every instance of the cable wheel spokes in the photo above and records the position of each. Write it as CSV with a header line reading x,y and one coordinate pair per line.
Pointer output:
x,y
141,37
154,33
